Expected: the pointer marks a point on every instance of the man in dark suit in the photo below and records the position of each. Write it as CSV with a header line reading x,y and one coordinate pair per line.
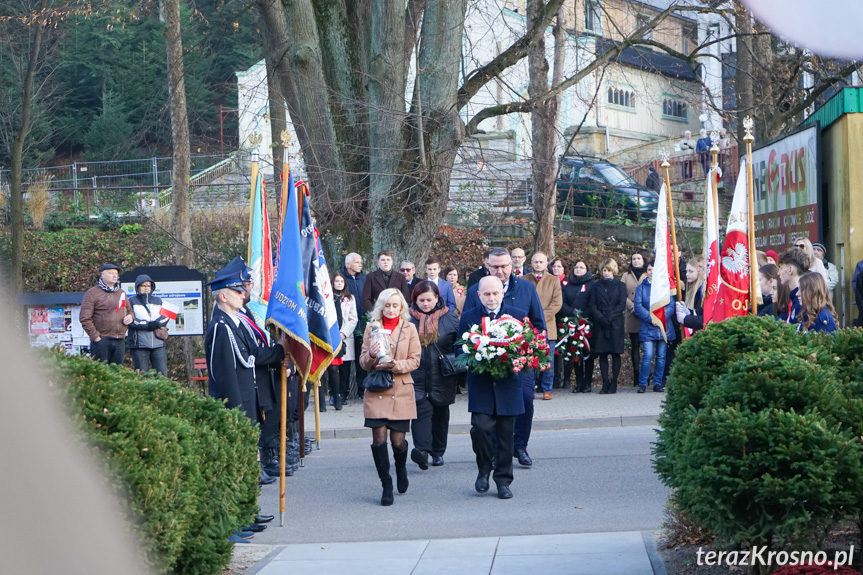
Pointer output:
x,y
519,294
477,275
382,278
444,288
493,404
409,270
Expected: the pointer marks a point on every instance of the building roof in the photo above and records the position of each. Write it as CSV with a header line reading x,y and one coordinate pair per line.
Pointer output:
x,y
846,101
647,59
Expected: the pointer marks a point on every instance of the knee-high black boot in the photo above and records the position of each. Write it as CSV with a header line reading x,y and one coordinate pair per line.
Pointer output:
x,y
381,455
401,458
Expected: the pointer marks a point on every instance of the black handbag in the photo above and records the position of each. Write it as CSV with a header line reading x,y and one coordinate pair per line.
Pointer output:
x,y
379,379
448,365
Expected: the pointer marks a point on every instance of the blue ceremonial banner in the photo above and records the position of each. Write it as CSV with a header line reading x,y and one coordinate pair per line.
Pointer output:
x,y
323,323
287,307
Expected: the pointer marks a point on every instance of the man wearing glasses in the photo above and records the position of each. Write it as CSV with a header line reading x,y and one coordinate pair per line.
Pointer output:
x,y
519,294
409,270
518,259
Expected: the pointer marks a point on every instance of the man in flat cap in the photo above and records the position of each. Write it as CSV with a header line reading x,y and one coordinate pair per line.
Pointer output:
x,y
105,313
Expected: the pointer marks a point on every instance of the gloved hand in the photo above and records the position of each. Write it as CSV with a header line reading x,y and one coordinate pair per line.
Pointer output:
x,y
153,325
681,311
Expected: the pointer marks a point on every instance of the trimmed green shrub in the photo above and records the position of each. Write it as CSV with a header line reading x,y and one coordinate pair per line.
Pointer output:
x,y
108,221
703,358
766,477
185,465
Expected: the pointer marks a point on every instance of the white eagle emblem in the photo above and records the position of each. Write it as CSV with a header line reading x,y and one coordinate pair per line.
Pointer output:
x,y
737,260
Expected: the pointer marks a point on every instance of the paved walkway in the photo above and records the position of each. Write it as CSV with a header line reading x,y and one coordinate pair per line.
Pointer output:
x,y
565,411
626,553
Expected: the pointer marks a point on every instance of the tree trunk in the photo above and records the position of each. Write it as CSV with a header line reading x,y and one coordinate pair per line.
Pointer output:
x,y
543,121
278,120
743,75
181,227
17,193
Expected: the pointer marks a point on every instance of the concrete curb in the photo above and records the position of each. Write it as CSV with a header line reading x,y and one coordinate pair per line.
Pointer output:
x,y
538,425
653,554
265,561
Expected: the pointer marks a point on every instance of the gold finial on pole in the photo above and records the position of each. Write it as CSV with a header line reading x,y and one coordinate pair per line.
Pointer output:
x,y
663,155
286,138
255,139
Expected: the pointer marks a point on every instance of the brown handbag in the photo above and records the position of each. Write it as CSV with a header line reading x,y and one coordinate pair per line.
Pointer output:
x,y
161,333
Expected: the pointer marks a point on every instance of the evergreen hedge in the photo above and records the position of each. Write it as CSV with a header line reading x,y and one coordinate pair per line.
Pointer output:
x,y
184,464
761,432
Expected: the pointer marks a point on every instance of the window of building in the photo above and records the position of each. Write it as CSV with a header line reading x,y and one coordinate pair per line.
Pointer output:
x,y
621,97
592,16
675,108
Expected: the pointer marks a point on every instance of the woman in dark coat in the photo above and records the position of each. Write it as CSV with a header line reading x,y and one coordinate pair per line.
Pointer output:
x,y
437,326
576,295
606,302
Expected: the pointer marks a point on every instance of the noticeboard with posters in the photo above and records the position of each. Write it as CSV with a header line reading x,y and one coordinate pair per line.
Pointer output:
x,y
180,286
787,189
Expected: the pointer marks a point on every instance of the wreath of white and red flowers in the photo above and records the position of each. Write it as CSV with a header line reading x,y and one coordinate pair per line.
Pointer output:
x,y
504,346
573,338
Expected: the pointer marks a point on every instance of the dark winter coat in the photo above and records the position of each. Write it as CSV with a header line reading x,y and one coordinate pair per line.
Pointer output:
x,y
145,308
476,275
520,294
428,381
576,295
606,302
376,282
484,394
766,308
648,331
695,317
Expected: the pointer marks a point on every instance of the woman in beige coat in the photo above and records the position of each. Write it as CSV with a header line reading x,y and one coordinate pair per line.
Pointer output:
x,y
392,408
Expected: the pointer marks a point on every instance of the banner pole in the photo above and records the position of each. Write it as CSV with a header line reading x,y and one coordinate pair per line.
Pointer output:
x,y
750,196
252,200
283,432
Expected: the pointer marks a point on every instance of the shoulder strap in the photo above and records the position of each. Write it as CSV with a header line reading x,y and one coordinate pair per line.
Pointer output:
x,y
399,338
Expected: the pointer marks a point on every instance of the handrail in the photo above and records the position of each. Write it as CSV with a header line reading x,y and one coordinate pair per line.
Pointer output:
x,y
215,171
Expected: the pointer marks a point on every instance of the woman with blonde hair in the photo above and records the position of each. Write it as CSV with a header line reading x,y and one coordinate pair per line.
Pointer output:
x,y
816,311
393,408
606,303
815,264
690,311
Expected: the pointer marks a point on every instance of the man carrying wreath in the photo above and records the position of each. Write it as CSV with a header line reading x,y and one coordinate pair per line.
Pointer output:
x,y
493,403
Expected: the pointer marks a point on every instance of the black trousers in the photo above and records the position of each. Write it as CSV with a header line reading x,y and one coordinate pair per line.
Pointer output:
x,y
108,350
635,355
583,369
270,425
483,427
431,427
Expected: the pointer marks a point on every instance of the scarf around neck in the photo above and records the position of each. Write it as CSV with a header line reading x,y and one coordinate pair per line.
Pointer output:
x,y
428,323
105,287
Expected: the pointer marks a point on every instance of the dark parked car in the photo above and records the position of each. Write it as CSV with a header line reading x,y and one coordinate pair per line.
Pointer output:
x,y
597,188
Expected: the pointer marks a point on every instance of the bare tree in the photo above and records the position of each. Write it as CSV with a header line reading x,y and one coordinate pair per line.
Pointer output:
x,y
181,227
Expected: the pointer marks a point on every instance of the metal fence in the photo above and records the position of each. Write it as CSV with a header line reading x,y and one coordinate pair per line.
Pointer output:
x,y
121,185
690,168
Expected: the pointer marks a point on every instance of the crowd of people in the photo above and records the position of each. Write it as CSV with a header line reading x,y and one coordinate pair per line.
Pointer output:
x,y
422,319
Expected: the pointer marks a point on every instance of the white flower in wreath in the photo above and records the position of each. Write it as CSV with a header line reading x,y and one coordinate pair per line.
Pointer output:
x,y
484,340
465,348
478,356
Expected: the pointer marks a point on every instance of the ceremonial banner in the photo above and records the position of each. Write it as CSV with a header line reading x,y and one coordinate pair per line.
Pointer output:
x,y
733,296
260,253
662,286
711,251
287,307
322,319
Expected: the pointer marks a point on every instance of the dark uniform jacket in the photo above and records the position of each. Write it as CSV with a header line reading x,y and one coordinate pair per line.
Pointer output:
x,y
476,275
229,379
267,375
576,294
484,394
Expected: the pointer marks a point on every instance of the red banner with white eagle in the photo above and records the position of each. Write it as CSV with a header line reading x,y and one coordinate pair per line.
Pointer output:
x,y
735,266
711,249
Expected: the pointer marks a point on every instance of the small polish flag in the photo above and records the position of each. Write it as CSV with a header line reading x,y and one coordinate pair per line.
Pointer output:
x,y
169,310
121,303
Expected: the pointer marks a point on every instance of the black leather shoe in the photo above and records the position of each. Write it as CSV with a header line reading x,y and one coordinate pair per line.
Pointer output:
x,y
504,492
523,457
264,479
437,460
481,484
420,458
264,518
254,527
